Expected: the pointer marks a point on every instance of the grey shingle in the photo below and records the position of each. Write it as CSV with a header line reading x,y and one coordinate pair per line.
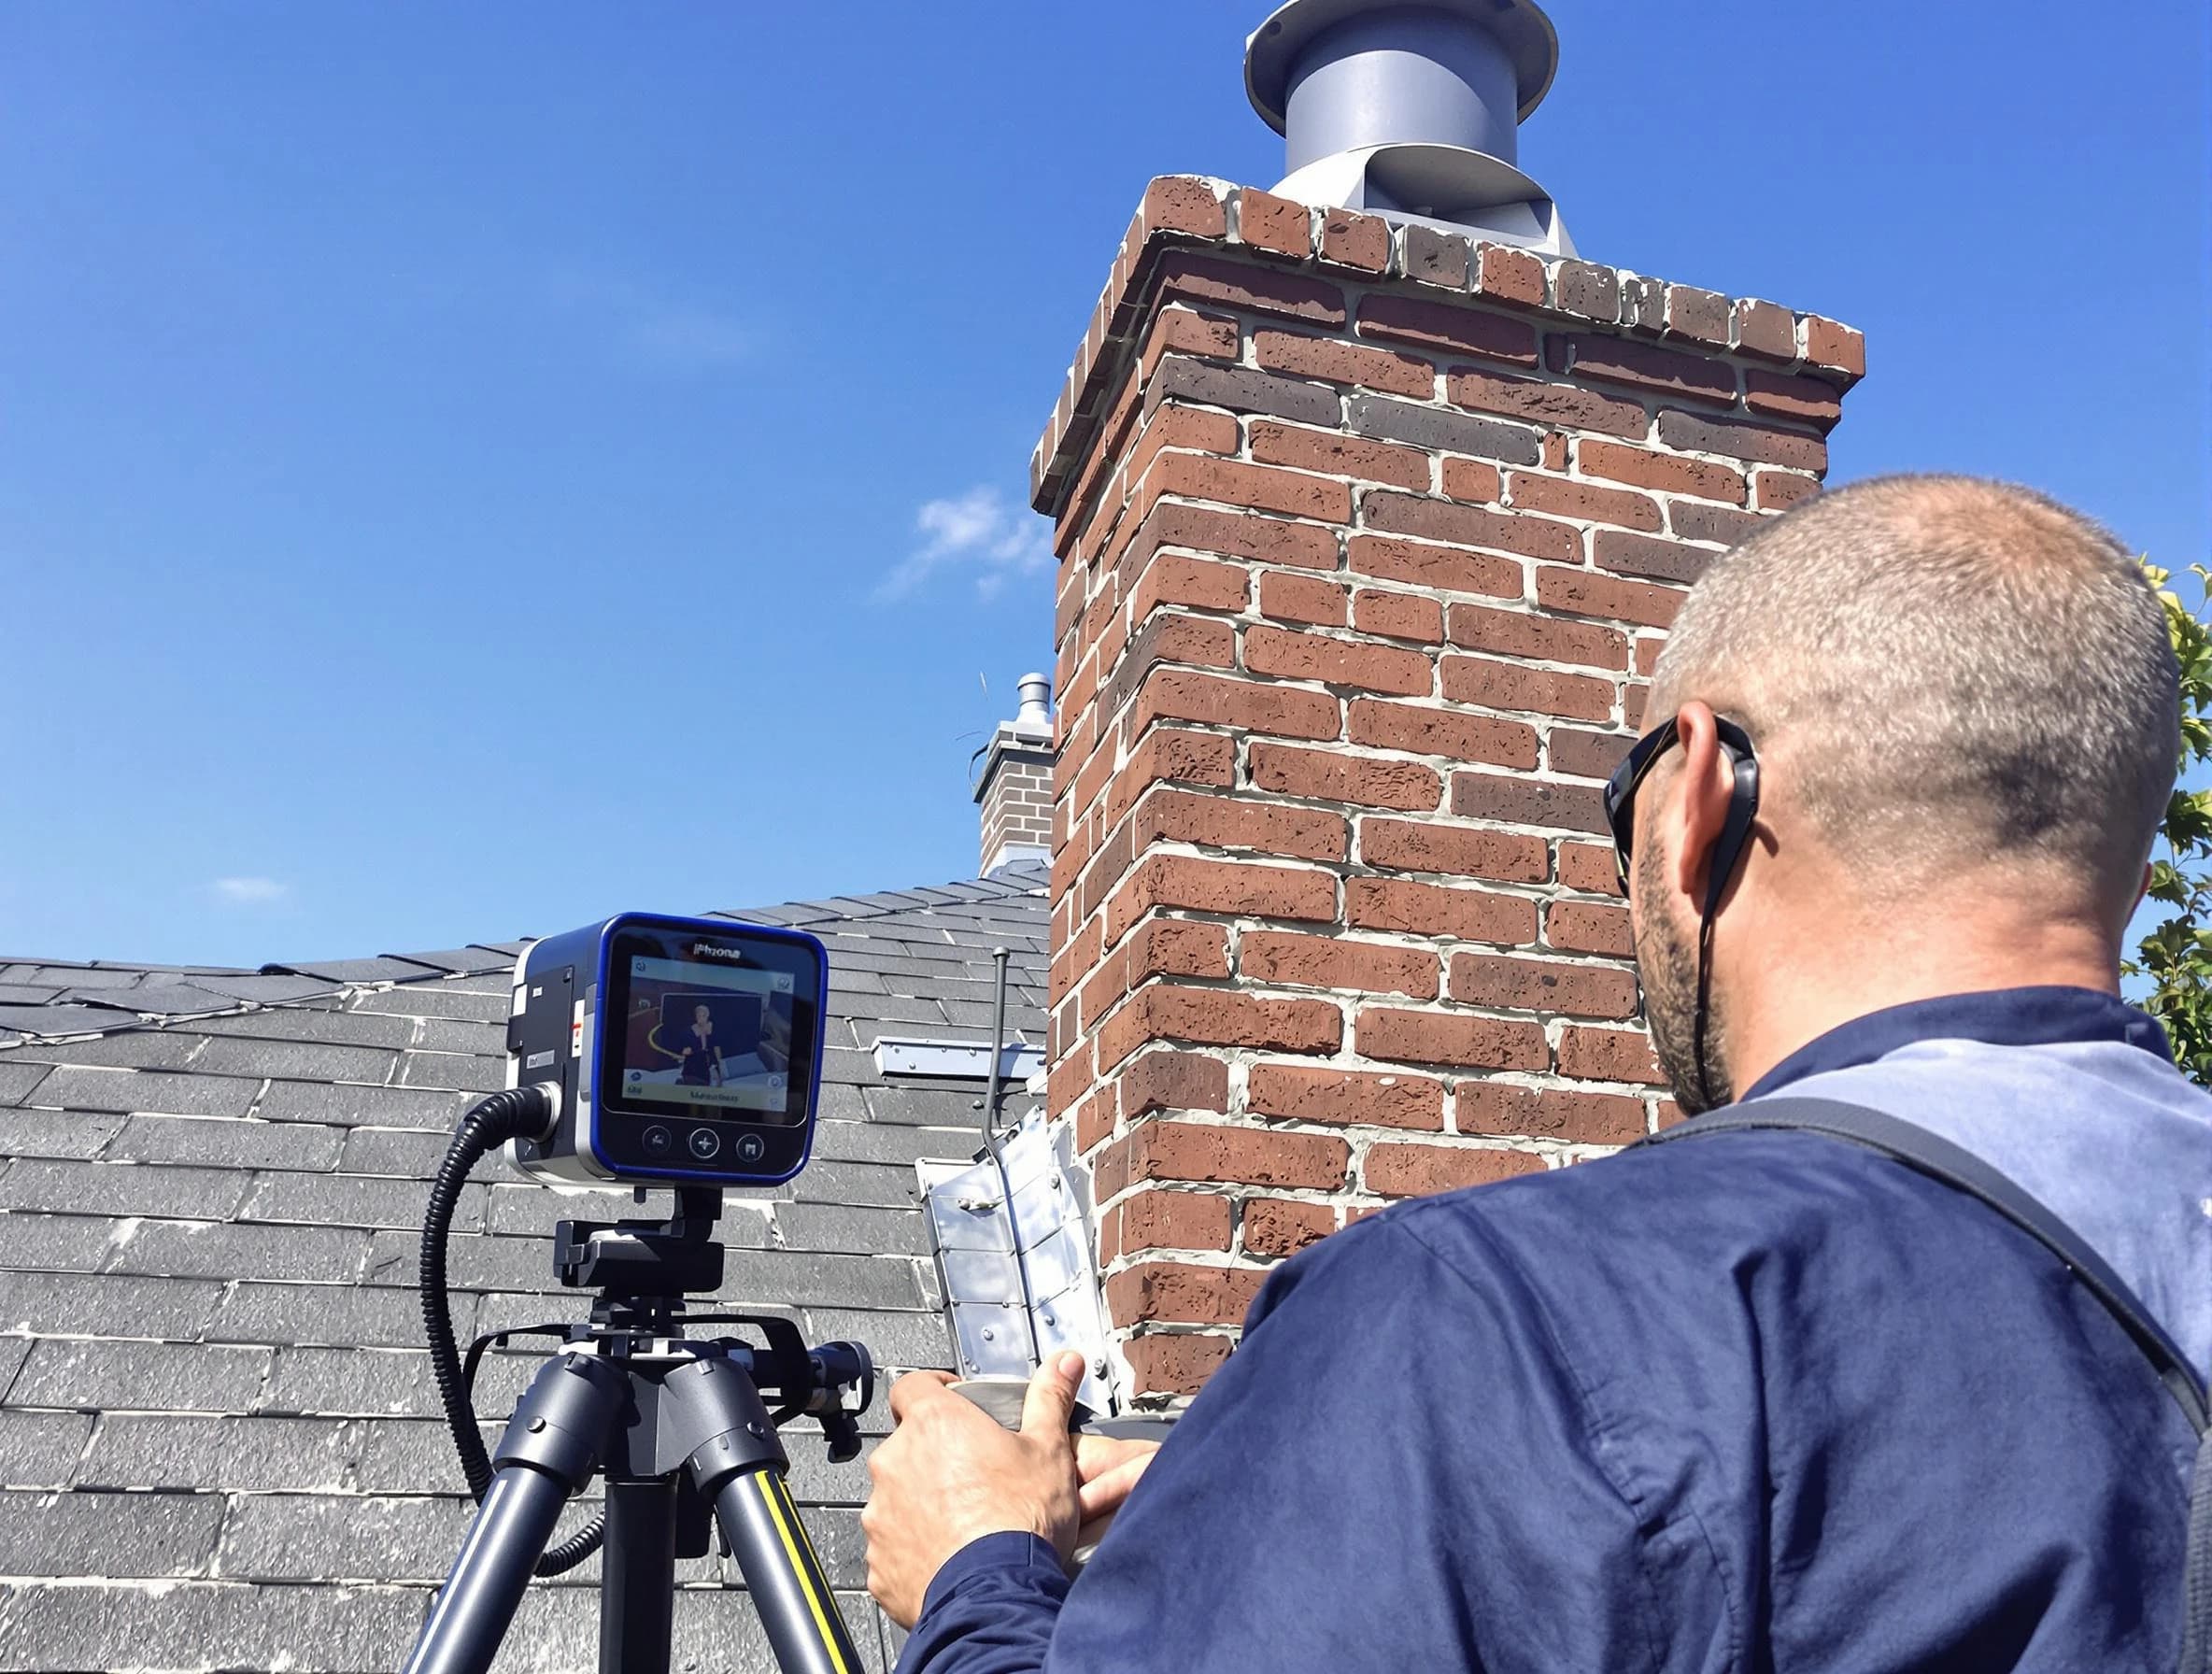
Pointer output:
x,y
129,1048
406,1154
899,1341
40,1450
108,1535
794,1277
336,1315
436,999
212,1250
352,1382
153,1000
146,1377
13,1351
356,1201
853,1231
201,1624
382,969
347,1106
290,1536
74,1088
106,1305
321,1023
455,1034
295,1060
18,1081
254,1455
227,1143
460,1070
53,1243
122,1188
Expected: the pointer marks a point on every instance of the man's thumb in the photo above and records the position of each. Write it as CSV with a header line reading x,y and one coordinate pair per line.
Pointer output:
x,y
1050,1400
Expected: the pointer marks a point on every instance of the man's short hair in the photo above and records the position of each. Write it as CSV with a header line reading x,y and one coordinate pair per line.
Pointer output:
x,y
1951,670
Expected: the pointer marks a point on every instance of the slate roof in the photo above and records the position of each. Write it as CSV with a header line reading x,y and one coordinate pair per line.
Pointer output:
x,y
219,1443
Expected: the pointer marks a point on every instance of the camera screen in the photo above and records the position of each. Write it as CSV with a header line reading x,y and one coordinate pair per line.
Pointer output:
x,y
714,1038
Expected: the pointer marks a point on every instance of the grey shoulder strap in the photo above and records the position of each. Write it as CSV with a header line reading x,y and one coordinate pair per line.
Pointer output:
x,y
1961,1170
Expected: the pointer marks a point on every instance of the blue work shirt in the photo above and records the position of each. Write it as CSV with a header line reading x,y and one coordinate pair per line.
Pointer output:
x,y
1764,1402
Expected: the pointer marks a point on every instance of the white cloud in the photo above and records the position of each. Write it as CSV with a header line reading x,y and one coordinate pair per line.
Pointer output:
x,y
249,892
978,531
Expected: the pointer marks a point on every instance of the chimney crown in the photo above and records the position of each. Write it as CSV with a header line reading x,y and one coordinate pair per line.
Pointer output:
x,y
1014,787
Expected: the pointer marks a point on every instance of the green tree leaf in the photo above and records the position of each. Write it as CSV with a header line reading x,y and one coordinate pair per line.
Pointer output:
x,y
2176,953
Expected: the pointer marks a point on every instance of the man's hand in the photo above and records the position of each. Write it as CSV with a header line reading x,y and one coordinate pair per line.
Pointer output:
x,y
949,1474
1109,1469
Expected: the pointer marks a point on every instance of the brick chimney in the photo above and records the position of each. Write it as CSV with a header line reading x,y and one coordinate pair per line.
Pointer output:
x,y
1368,532
1015,788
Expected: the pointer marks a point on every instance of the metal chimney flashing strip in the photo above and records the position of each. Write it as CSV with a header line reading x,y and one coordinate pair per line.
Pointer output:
x,y
1272,53
955,1060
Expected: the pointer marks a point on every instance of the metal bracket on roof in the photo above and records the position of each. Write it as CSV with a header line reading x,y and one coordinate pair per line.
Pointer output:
x,y
982,1246
956,1059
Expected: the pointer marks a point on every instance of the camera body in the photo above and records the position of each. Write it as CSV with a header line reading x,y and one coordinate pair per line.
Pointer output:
x,y
685,1051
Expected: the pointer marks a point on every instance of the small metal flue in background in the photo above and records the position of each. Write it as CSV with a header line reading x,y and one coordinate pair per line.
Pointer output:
x,y
1410,111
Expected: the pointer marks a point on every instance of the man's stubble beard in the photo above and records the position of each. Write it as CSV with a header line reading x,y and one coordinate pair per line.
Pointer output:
x,y
1667,963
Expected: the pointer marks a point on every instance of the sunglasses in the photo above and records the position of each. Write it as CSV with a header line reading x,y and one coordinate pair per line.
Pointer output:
x,y
1620,790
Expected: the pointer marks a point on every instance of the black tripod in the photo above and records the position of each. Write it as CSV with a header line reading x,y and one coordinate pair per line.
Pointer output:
x,y
684,1434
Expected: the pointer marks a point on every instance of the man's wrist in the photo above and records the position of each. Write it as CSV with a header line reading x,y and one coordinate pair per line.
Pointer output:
x,y
1007,1552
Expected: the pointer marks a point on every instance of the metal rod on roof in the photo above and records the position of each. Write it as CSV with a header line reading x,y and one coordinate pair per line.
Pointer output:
x,y
990,1143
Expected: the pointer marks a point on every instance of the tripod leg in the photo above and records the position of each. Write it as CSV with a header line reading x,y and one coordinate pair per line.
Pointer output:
x,y
637,1577
739,1465
554,1442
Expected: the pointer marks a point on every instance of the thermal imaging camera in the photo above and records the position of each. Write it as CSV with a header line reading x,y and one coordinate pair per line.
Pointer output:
x,y
684,1051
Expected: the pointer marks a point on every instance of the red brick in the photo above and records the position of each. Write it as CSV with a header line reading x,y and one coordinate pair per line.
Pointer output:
x,y
1766,329
1588,926
1338,454
1739,439
1587,291
1586,755
1639,366
1399,616
1241,285
1779,491
1339,362
1172,1291
1590,868
1448,569
1166,1220
1476,481
1465,525
1353,1098
1350,239
1608,1055
1172,425
1434,257
1441,325
1170,753
1227,1156
1328,777
1165,1079
1544,639
1234,535
1237,822
1247,706
1177,947
1165,638
1171,579
1179,330
1454,851
1583,593
1515,686
1174,1362
1453,1038
1437,910
1722,525
1510,275
1828,343
1544,986
1648,647
1229,887
1334,962
1644,555
1219,1017
1574,1119
1699,315
1423,1171
1287,598
1274,223
1259,488
1279,1227
1184,204
1669,473
1555,455
1545,403
1528,802
1785,395
1289,653
1441,733
1565,498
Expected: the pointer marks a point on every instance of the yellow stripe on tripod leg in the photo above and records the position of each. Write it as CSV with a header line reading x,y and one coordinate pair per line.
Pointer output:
x,y
801,1554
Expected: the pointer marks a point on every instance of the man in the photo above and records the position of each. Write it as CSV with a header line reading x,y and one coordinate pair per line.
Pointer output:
x,y
1757,1400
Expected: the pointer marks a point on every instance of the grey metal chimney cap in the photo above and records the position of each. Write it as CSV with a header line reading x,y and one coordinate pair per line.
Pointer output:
x,y
1519,26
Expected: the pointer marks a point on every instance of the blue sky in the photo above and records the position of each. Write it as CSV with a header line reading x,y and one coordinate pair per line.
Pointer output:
x,y
465,470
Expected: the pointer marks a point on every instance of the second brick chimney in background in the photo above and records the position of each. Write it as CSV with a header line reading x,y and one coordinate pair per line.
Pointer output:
x,y
1014,787
1369,533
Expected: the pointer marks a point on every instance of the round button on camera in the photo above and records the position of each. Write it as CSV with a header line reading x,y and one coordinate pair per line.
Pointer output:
x,y
705,1142
749,1148
658,1141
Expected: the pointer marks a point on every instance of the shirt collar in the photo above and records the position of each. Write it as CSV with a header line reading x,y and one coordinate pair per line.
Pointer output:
x,y
2038,1017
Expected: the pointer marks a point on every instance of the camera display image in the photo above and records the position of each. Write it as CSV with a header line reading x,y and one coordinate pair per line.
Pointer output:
x,y
708,1036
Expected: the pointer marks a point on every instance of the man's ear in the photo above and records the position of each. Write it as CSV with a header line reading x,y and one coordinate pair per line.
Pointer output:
x,y
2142,888
1698,800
